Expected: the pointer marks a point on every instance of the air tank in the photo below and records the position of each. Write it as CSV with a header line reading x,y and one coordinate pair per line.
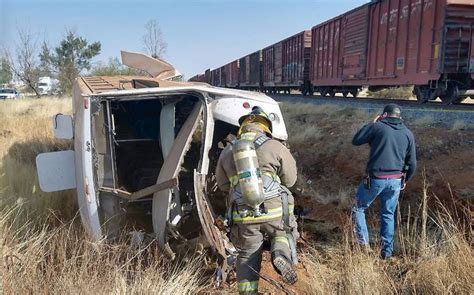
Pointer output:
x,y
248,172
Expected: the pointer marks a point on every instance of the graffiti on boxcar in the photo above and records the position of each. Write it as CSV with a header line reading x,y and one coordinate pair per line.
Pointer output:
x,y
416,7
404,13
384,18
428,5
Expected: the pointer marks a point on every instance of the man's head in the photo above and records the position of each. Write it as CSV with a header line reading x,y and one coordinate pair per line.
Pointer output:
x,y
256,119
392,110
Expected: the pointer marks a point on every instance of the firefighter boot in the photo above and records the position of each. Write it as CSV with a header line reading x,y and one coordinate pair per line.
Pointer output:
x,y
286,269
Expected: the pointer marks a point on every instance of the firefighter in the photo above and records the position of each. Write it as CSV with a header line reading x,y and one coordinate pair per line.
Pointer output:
x,y
392,162
268,213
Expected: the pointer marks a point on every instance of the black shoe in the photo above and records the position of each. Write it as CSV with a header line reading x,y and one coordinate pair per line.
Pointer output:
x,y
387,258
286,269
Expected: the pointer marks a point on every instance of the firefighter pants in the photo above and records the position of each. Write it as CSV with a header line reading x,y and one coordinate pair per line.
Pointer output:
x,y
248,239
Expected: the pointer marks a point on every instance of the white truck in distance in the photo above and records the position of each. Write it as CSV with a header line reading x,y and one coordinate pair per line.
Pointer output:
x,y
48,86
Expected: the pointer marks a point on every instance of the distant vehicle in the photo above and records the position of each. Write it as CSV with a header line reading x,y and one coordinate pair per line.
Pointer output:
x,y
145,152
48,86
9,93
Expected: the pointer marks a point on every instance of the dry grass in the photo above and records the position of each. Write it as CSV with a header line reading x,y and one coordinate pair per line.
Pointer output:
x,y
43,248
25,131
459,125
394,92
425,121
435,258
61,260
304,121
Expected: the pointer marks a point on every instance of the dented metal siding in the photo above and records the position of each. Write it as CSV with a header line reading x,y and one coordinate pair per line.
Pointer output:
x,y
327,53
354,48
405,41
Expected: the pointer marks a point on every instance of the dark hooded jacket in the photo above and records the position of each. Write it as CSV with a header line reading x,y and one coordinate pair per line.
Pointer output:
x,y
392,147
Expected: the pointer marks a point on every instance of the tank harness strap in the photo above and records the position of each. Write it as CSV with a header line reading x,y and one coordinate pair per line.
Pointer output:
x,y
286,210
259,141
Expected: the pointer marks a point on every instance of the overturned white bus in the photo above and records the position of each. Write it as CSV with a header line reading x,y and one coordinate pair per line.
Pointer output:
x,y
145,150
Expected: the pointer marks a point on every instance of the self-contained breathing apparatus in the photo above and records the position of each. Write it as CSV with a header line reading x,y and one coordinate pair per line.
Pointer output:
x,y
249,174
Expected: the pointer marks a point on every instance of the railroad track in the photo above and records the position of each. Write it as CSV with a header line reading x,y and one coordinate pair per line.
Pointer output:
x,y
369,103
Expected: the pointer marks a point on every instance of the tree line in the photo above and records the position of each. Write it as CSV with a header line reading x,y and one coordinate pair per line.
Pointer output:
x,y
28,60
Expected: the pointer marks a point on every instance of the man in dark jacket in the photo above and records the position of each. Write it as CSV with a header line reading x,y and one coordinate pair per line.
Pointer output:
x,y
392,162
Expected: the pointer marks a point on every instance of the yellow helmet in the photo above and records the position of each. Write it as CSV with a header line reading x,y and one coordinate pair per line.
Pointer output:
x,y
257,112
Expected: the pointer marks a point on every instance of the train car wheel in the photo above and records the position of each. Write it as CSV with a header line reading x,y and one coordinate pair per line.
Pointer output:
x,y
354,93
332,93
345,93
451,96
324,92
422,93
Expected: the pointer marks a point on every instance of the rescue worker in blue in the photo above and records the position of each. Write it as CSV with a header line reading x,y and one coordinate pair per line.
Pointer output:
x,y
276,222
392,162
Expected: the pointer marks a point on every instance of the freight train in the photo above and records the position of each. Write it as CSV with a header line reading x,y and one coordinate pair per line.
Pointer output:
x,y
427,44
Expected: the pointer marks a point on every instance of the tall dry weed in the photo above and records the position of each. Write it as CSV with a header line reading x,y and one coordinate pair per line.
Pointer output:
x,y
26,131
62,260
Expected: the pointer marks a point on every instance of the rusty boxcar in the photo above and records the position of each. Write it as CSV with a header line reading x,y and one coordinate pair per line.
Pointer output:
x,y
250,71
285,64
216,77
389,43
232,74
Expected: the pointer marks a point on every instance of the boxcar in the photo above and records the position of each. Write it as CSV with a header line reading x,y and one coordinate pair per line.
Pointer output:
x,y
389,43
250,71
207,76
285,65
218,77
232,74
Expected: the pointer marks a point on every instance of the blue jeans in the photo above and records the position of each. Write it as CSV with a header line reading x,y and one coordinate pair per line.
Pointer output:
x,y
388,190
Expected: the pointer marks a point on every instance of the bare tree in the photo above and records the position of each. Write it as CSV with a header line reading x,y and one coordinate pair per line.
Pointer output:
x,y
153,39
24,64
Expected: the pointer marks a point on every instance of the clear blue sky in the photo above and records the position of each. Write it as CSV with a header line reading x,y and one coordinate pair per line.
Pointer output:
x,y
200,34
